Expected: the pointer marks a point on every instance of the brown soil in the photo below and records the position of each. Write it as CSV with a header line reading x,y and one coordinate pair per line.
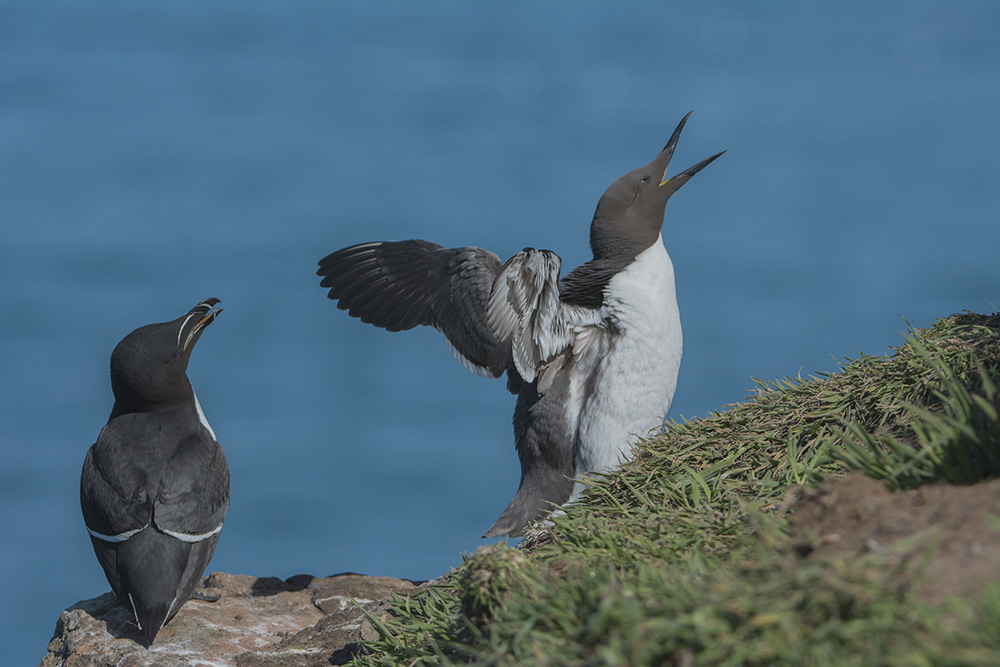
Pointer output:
x,y
957,528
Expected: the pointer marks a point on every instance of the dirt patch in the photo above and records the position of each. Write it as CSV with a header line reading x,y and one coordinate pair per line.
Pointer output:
x,y
957,528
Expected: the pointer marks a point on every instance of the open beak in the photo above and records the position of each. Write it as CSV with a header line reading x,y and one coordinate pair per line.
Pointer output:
x,y
674,183
203,314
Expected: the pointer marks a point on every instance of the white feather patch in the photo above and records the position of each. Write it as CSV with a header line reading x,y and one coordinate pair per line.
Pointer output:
x,y
135,612
181,330
524,307
191,538
202,418
120,537
634,369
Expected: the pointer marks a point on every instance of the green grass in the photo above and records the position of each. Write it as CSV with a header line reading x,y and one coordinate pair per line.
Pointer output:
x,y
680,557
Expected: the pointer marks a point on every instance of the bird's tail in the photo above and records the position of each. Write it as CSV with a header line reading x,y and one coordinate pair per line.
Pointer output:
x,y
542,489
158,574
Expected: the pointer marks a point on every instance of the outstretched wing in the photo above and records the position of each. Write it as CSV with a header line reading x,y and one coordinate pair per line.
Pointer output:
x,y
397,285
525,308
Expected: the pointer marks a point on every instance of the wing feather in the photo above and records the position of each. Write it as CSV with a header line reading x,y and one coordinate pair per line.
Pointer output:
x,y
193,496
113,494
398,285
525,307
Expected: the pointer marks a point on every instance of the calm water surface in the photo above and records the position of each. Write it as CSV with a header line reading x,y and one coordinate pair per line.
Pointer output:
x,y
154,155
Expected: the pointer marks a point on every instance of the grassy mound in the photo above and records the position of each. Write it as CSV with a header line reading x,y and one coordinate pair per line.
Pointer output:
x,y
683,556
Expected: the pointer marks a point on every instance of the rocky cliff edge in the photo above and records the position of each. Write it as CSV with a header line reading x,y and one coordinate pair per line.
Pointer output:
x,y
255,622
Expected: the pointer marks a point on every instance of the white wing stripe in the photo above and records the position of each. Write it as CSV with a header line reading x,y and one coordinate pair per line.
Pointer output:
x,y
192,537
120,537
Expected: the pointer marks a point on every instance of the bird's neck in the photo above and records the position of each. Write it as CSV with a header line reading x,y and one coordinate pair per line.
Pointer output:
x,y
125,405
620,240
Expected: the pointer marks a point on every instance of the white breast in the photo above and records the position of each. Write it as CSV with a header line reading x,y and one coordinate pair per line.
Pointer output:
x,y
632,367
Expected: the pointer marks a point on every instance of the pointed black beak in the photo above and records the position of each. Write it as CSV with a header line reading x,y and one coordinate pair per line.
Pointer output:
x,y
674,183
195,322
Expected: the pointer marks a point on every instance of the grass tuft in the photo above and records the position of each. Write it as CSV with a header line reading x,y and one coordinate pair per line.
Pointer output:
x,y
681,557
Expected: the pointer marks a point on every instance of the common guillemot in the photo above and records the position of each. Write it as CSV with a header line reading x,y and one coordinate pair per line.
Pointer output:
x,y
593,358
155,486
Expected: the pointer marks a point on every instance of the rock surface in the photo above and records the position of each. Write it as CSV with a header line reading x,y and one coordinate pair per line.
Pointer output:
x,y
256,622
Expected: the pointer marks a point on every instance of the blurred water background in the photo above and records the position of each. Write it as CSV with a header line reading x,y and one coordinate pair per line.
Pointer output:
x,y
153,154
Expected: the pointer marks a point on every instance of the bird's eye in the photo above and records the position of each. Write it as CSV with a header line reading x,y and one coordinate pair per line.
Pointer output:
x,y
645,179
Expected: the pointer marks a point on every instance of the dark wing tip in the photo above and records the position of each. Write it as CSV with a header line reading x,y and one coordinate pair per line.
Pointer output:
x,y
388,284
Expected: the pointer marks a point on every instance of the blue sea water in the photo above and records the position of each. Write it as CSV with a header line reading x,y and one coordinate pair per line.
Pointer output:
x,y
152,155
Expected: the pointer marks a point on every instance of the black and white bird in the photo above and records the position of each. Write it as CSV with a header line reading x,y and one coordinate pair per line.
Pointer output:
x,y
155,485
593,358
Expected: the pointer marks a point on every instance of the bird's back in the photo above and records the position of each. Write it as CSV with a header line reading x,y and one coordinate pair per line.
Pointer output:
x,y
154,492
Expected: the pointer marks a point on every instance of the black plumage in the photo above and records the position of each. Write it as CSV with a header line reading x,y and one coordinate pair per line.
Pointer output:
x,y
155,486
400,285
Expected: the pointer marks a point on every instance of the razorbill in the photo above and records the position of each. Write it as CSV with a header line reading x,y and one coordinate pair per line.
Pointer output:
x,y
592,358
155,485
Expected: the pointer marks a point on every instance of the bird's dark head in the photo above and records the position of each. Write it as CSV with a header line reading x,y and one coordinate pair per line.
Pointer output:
x,y
630,213
149,366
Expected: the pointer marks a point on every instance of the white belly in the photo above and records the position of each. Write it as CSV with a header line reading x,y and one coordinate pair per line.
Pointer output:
x,y
634,365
